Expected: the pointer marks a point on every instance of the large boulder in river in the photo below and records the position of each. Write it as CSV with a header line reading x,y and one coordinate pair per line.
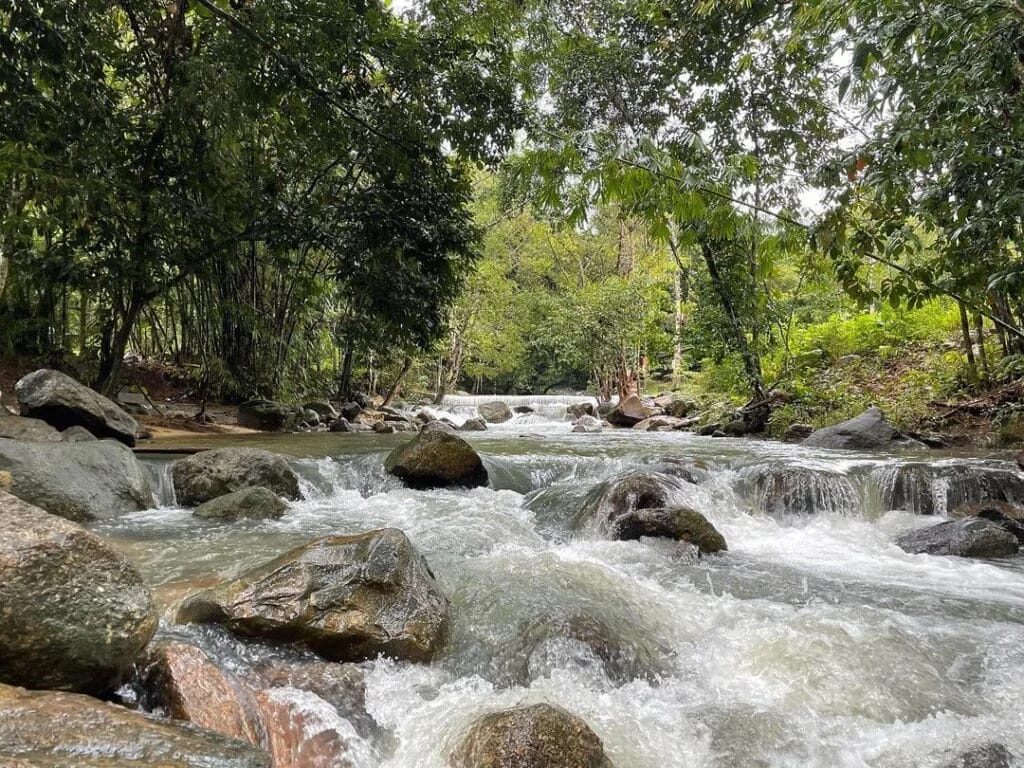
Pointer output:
x,y
268,415
1009,516
437,460
679,523
74,613
211,474
251,503
628,412
530,736
78,481
24,428
869,431
62,402
344,597
624,494
46,729
784,488
967,537
577,410
494,413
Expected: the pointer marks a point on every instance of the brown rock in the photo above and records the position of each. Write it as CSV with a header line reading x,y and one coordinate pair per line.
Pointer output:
x,y
536,736
437,460
1020,459
628,412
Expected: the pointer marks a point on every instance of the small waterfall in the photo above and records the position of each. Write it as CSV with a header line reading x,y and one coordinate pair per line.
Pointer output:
x,y
545,406
163,483
787,489
927,489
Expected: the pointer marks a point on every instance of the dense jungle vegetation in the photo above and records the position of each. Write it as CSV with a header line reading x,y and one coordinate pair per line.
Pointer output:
x,y
819,201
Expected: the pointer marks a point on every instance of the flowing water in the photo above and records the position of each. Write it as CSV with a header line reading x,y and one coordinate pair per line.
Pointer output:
x,y
814,641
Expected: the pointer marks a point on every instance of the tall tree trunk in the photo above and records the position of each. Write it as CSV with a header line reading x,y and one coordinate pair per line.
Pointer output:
x,y
406,366
751,361
345,383
115,344
677,330
979,329
965,330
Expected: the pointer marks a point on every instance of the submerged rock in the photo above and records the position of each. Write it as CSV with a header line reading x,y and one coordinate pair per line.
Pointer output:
x,y
77,481
62,402
869,431
530,736
254,503
927,489
1009,516
993,755
494,413
68,730
74,613
625,493
474,425
628,412
578,410
345,597
268,415
437,460
677,523
969,537
210,474
782,489
31,430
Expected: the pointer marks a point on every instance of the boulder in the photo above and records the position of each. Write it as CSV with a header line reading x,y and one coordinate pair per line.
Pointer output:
x,y
661,424
968,537
1009,516
522,409
735,428
783,488
625,493
628,412
362,400
494,413
48,729
797,433
993,755
474,425
438,426
869,431
310,417
383,428
679,523
530,736
709,430
578,410
77,481
253,503
135,403
586,430
341,424
437,460
323,409
351,410
74,613
268,416
210,474
31,430
62,402
345,597
588,425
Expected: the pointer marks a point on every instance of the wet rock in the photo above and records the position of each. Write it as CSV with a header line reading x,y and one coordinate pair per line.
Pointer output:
x,y
869,431
301,732
578,410
182,681
709,430
474,425
797,433
74,613
343,686
323,409
677,523
81,435
210,474
24,428
344,425
382,428
351,410
114,736
494,413
628,412
928,488
522,409
268,416
1020,459
588,425
993,755
661,424
1009,516
77,481
437,426
530,736
675,406
253,503
345,597
62,402
735,428
437,460
782,489
969,537
625,493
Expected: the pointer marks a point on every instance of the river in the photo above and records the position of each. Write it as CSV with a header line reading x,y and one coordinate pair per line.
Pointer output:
x,y
814,641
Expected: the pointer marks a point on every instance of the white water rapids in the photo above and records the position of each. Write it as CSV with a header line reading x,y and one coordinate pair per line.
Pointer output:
x,y
814,641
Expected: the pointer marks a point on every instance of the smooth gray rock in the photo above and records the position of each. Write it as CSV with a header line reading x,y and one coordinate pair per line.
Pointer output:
x,y
78,435
74,613
251,503
78,481
868,431
62,402
495,413
968,537
31,430
345,597
268,415
210,474
437,460
474,425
